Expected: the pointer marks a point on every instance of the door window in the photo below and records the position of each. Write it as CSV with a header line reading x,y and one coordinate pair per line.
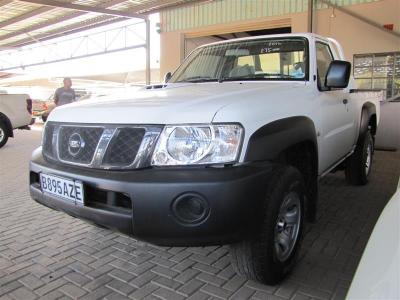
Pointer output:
x,y
324,58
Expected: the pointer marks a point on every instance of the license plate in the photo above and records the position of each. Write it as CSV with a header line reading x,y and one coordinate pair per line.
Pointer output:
x,y
67,189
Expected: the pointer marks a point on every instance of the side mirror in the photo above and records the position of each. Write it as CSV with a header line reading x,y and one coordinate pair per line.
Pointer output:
x,y
338,74
167,77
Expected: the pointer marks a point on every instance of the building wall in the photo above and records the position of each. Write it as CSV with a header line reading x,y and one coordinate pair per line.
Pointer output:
x,y
226,11
228,16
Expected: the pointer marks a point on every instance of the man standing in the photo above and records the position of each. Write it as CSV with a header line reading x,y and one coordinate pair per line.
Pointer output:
x,y
64,95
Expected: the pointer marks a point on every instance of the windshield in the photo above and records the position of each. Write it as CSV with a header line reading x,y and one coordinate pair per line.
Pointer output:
x,y
261,59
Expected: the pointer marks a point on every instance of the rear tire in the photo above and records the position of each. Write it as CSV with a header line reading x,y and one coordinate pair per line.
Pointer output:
x,y
270,254
3,134
44,119
358,165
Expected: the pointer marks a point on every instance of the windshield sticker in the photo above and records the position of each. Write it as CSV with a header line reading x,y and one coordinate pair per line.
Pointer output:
x,y
270,50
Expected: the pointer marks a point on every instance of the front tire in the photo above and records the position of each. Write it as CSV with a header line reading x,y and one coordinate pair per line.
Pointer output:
x,y
358,165
3,134
270,254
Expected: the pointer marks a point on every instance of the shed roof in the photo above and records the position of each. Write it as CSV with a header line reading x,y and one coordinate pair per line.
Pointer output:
x,y
24,22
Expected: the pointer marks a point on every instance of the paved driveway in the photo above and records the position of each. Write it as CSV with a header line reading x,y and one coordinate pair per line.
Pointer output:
x,y
47,254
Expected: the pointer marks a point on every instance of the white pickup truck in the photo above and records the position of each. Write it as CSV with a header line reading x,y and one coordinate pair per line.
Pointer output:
x,y
15,113
228,151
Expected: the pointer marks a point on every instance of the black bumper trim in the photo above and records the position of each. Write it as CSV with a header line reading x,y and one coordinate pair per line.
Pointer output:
x,y
109,219
234,194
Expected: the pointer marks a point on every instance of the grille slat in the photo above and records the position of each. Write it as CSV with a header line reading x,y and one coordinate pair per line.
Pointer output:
x,y
102,146
124,146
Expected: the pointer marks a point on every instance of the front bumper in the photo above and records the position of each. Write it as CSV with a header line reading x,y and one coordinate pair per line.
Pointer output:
x,y
234,196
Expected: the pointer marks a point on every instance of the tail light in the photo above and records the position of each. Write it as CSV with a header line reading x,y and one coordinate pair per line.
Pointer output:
x,y
29,105
45,107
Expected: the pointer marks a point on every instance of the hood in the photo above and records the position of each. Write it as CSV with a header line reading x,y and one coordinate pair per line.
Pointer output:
x,y
173,104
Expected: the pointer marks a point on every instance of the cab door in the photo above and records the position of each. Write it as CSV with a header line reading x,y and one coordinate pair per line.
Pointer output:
x,y
336,132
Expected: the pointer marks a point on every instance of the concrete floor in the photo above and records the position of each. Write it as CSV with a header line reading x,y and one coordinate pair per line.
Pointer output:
x,y
49,255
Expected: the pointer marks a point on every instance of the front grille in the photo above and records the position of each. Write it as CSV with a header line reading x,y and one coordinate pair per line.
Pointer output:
x,y
86,138
100,146
124,146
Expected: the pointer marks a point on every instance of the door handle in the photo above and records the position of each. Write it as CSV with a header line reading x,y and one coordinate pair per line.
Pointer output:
x,y
345,101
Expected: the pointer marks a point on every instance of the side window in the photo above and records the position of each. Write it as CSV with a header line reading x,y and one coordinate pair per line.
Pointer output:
x,y
324,58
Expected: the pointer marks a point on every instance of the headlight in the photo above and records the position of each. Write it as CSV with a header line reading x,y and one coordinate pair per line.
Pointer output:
x,y
198,144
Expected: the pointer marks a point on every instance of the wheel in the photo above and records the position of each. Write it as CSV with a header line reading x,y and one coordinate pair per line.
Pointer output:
x,y
270,254
44,118
358,165
3,134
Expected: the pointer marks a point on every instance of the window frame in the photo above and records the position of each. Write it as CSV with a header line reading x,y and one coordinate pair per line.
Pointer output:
x,y
319,84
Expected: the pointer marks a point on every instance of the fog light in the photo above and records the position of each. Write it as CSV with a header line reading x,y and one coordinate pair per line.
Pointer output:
x,y
190,208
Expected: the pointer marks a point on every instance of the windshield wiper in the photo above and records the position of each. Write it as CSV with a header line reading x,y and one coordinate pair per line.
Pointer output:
x,y
239,78
198,79
276,75
262,76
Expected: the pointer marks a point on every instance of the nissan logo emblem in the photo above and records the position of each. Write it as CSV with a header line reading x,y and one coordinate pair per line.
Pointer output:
x,y
75,144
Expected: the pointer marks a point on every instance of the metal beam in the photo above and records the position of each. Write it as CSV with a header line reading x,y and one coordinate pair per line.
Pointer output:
x,y
148,69
77,27
57,20
310,15
23,17
162,5
72,58
360,18
85,8
90,24
157,5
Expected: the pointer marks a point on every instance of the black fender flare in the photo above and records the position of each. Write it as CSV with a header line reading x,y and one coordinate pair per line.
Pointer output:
x,y
5,120
270,140
368,110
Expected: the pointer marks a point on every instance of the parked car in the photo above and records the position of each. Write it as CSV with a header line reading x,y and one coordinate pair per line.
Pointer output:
x,y
15,113
378,274
41,108
228,151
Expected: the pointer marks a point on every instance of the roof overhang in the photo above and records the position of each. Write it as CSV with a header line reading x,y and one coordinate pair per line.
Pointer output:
x,y
24,22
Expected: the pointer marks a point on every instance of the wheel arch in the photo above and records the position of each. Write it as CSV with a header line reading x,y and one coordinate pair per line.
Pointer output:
x,y
291,141
4,119
368,119
271,139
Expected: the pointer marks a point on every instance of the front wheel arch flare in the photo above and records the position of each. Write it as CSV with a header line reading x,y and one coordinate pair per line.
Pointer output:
x,y
272,139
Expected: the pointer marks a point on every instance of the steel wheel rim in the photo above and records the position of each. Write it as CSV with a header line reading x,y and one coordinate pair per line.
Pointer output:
x,y
368,159
2,135
287,226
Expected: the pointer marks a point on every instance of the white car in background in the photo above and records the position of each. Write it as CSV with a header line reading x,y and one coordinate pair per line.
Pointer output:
x,y
378,274
15,113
